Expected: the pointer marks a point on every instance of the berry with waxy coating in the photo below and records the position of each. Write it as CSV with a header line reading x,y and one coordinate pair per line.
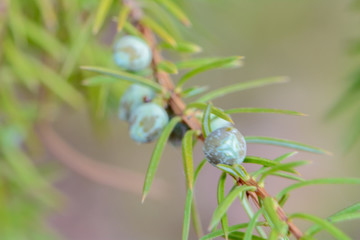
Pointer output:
x,y
147,122
225,146
133,97
132,53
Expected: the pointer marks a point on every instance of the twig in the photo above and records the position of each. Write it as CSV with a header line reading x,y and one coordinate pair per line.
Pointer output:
x,y
119,178
262,193
178,106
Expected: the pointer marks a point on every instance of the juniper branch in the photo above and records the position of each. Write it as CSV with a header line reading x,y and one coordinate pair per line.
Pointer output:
x,y
178,106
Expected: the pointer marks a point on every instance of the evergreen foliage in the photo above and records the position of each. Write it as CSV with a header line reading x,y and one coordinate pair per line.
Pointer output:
x,y
44,43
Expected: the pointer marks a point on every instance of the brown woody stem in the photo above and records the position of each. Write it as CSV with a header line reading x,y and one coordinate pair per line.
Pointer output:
x,y
178,106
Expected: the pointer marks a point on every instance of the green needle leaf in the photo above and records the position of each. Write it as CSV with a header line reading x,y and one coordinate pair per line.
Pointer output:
x,y
193,91
318,181
198,62
285,143
275,162
240,236
219,233
195,216
246,205
345,217
155,11
206,128
159,30
9,104
187,153
235,171
338,234
57,84
263,110
102,11
228,169
260,161
18,62
285,156
101,101
76,49
129,28
176,11
241,86
123,15
252,224
15,22
218,112
194,211
45,40
198,169
334,219
99,80
351,209
220,198
288,176
182,47
155,158
278,227
283,199
187,214
168,67
123,76
274,235
287,167
48,13
270,206
215,64
225,204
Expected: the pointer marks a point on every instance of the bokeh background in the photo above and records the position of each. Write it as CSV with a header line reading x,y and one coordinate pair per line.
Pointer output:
x,y
306,40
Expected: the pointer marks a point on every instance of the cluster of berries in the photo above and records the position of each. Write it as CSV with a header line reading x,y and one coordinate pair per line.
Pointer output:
x,y
147,119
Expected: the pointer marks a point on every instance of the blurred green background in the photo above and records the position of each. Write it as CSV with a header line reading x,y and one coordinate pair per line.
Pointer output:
x,y
306,40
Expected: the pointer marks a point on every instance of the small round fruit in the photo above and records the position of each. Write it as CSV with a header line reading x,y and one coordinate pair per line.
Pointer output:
x,y
147,122
178,133
132,53
225,146
133,97
216,123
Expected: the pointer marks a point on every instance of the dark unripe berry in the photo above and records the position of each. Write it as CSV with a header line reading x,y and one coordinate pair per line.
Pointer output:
x,y
147,122
132,53
133,97
225,146
178,133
